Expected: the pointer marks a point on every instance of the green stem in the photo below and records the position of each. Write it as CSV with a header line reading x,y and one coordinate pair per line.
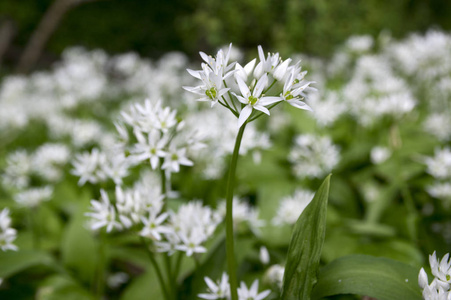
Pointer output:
x,y
274,81
228,107
178,264
35,227
231,263
100,266
156,267
230,96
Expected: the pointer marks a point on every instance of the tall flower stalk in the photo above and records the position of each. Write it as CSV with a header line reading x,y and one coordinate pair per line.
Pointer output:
x,y
230,244
248,92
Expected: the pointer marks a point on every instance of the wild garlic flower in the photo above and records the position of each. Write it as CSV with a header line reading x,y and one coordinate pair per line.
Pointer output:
x,y
160,136
274,275
245,293
379,154
439,165
291,207
18,169
88,166
103,214
48,160
217,290
153,228
313,156
441,284
32,197
247,89
438,125
7,234
192,224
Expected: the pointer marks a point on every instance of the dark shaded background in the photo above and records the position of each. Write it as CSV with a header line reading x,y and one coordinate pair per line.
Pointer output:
x,y
154,27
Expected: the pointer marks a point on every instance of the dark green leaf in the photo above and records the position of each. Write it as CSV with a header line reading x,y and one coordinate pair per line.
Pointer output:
x,y
305,247
12,262
381,278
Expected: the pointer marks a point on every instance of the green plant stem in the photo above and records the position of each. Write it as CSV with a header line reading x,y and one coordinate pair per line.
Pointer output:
x,y
274,81
156,267
230,96
100,266
35,227
231,263
178,264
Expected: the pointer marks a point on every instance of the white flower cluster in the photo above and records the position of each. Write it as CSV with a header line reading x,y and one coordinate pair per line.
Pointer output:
x,y
375,91
244,89
142,208
440,287
291,207
221,290
98,166
439,166
379,154
313,156
7,234
45,162
160,136
189,228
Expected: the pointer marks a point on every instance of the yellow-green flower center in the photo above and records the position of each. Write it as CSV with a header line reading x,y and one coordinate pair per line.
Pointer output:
x,y
211,93
252,100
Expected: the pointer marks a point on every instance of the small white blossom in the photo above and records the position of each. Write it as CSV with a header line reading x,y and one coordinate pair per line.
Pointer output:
x,y
217,290
7,234
252,293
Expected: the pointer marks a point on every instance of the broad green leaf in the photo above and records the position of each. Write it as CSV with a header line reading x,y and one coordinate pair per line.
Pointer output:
x,y
305,247
59,287
12,262
143,287
381,278
79,249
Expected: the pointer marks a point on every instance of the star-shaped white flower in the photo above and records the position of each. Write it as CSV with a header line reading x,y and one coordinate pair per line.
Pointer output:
x,y
251,294
253,99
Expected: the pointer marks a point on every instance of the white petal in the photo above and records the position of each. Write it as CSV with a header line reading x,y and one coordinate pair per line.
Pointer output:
x,y
269,100
262,109
244,115
243,87
260,86
299,104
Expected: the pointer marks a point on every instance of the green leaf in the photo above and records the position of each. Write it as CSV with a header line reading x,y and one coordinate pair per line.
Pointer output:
x,y
143,287
59,287
305,247
12,262
381,278
79,249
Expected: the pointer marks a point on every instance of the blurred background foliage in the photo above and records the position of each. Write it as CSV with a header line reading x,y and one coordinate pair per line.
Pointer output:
x,y
152,28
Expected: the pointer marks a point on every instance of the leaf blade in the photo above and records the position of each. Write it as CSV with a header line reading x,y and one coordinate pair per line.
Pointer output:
x,y
305,247
377,277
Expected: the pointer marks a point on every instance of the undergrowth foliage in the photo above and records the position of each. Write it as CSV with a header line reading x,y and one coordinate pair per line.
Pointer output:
x,y
118,183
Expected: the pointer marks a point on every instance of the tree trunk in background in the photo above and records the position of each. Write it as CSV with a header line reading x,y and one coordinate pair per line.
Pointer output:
x,y
7,32
47,26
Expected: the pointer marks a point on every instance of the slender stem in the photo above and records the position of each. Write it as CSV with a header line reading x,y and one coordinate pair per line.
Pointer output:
x,y
274,81
101,266
178,264
231,263
230,96
156,267
228,106
35,227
